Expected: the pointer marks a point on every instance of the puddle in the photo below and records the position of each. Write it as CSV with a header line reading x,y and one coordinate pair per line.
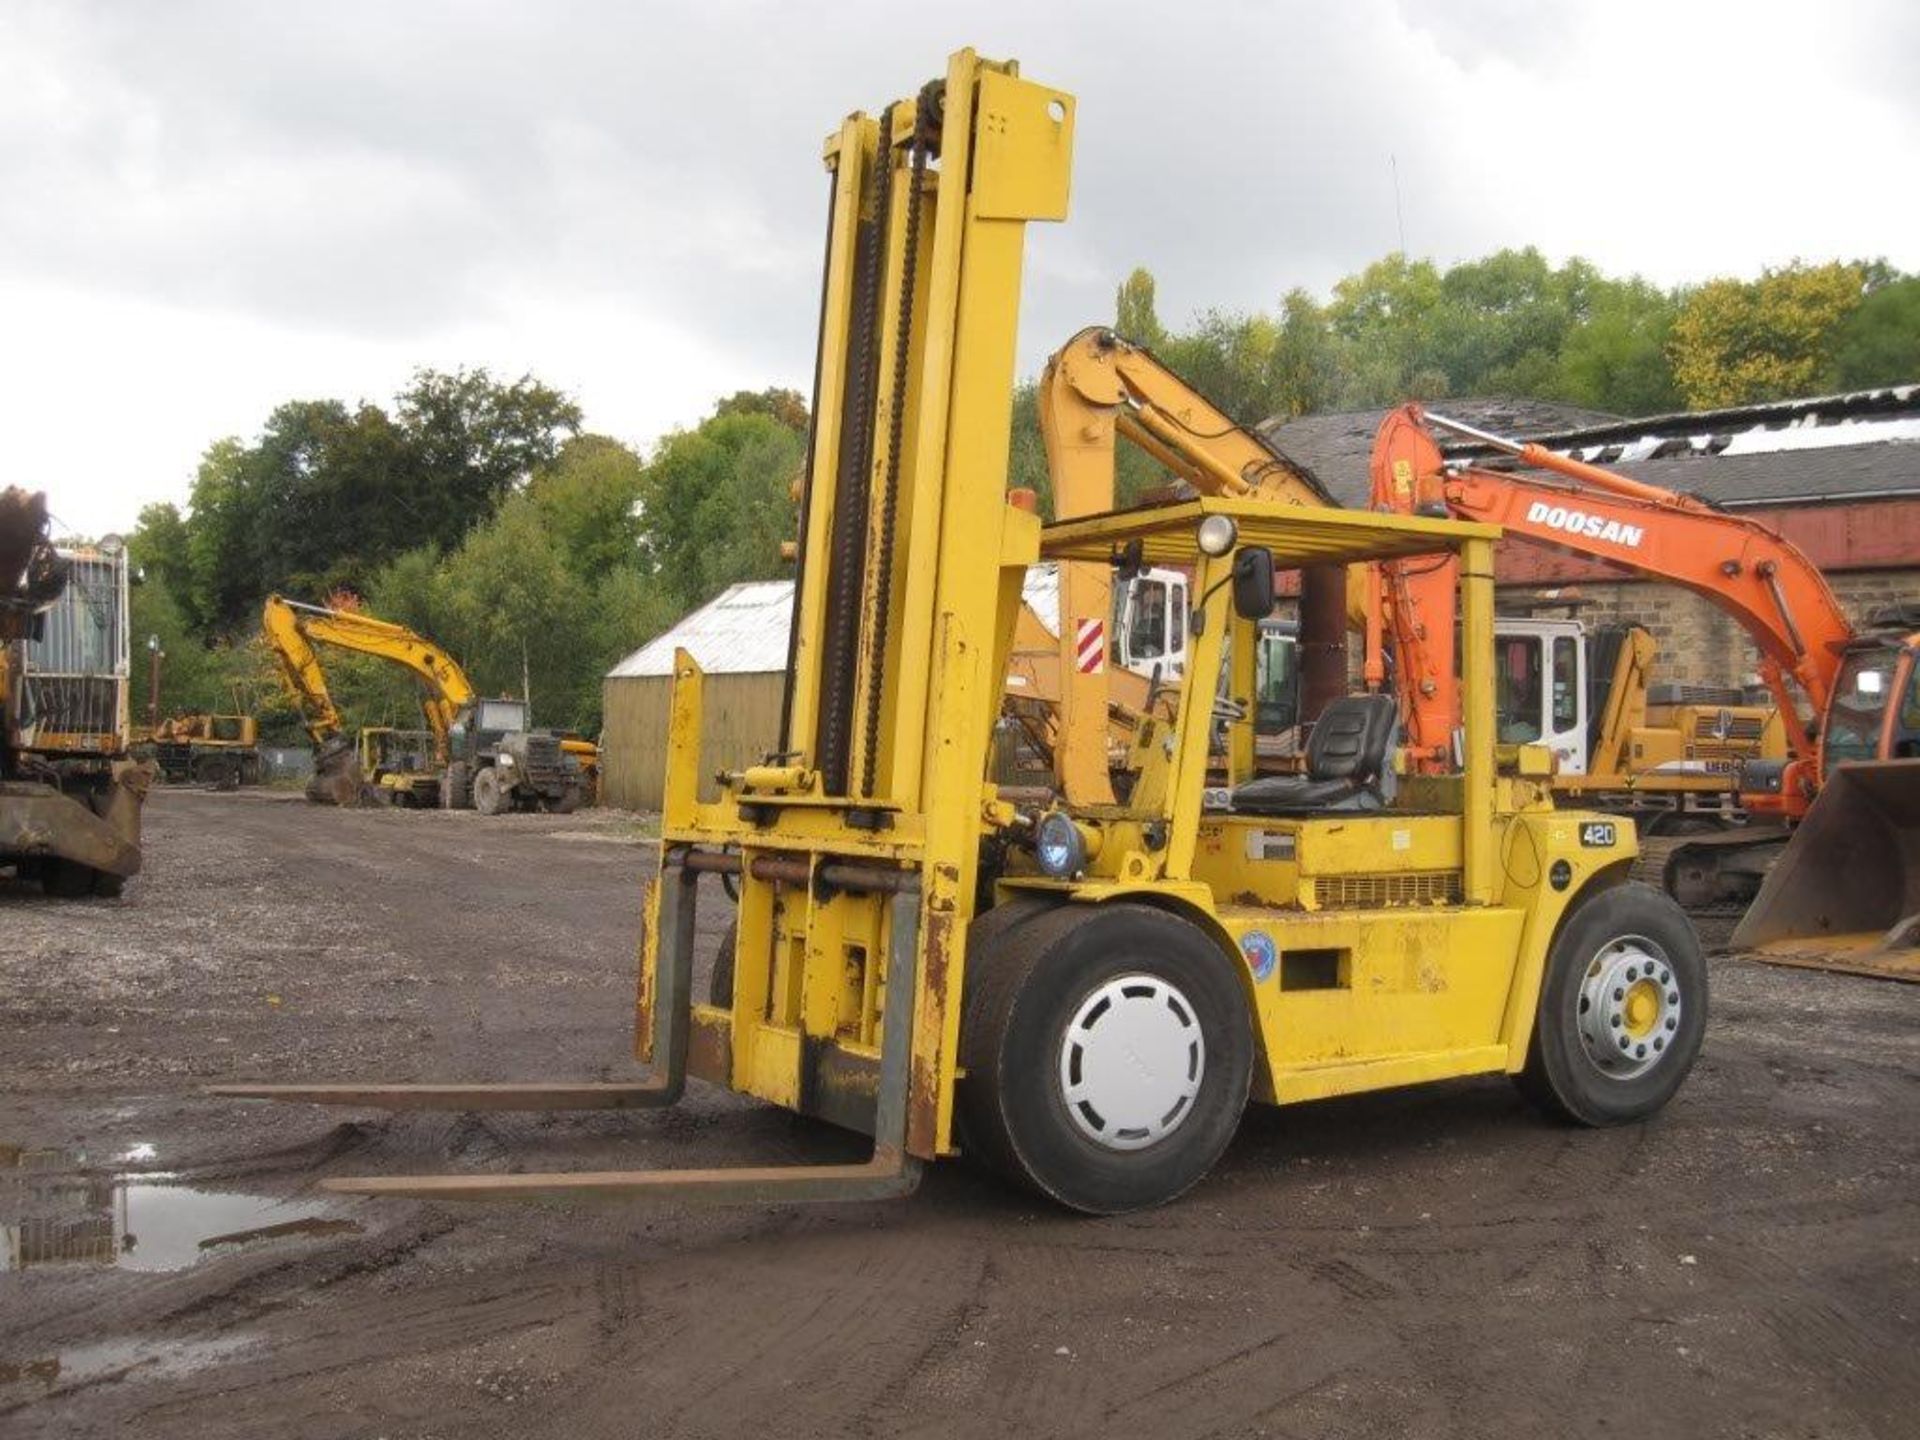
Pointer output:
x,y
118,1359
55,1211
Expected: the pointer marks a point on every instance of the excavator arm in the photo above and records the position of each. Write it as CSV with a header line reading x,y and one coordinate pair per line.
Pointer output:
x,y
300,669
1096,390
292,630
1747,569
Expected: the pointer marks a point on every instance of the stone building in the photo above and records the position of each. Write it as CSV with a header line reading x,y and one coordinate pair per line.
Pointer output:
x,y
1838,475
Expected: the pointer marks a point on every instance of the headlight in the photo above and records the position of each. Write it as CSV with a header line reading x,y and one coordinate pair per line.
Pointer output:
x,y
1058,846
1217,534
505,762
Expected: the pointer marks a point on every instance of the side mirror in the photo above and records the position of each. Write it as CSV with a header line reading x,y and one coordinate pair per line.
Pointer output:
x,y
1253,583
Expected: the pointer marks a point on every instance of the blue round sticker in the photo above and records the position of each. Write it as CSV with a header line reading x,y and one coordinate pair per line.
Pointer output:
x,y
1261,953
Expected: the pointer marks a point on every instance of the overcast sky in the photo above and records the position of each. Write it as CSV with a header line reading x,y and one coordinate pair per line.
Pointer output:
x,y
206,209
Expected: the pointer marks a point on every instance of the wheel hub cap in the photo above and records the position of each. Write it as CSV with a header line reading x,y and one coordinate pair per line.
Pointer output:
x,y
1630,1006
1131,1062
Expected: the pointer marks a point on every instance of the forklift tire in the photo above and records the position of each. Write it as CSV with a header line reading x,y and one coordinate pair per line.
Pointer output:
x,y
456,786
490,795
566,802
720,979
1623,1009
66,879
1117,1004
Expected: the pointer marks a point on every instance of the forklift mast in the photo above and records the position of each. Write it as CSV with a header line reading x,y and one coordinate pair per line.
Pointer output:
x,y
912,556
856,846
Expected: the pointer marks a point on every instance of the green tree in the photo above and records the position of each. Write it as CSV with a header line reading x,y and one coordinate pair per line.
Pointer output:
x,y
515,612
1617,361
1387,318
1027,455
1879,343
473,440
717,504
590,497
1737,342
1134,315
1305,372
789,407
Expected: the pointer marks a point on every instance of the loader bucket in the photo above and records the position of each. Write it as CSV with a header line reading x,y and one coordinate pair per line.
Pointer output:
x,y
1848,879
337,778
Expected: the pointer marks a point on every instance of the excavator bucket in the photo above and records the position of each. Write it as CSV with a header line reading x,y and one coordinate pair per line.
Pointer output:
x,y
1845,894
337,777
31,571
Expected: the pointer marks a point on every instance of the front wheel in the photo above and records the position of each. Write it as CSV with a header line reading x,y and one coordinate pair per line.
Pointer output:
x,y
1623,1009
1108,1053
490,794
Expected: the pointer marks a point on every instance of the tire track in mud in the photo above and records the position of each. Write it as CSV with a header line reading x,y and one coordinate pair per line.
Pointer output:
x,y
1436,1262
819,1333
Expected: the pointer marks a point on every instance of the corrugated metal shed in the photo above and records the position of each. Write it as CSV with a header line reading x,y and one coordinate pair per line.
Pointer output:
x,y
741,631
740,639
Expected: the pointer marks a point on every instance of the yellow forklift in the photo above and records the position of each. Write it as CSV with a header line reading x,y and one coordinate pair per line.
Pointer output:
x,y
1082,996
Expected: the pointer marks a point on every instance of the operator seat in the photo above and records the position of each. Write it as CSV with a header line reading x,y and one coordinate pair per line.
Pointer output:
x,y
1348,765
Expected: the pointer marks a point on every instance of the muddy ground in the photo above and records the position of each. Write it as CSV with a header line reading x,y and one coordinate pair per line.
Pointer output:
x,y
1436,1263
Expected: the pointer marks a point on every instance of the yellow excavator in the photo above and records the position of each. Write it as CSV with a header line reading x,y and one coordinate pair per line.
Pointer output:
x,y
473,752
70,789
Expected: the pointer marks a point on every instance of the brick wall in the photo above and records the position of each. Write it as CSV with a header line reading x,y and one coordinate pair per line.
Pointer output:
x,y
1699,643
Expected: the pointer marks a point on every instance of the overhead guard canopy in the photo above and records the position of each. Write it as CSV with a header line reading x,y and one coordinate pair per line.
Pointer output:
x,y
1297,536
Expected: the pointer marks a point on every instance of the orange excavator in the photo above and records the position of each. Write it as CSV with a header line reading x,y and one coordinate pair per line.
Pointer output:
x,y
1849,699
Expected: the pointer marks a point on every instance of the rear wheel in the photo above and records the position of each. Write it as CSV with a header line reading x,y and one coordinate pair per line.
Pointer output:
x,y
1622,1010
720,980
456,786
490,793
1108,1053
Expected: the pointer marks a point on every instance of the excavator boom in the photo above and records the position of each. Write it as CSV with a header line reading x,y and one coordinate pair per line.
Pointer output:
x,y
1096,389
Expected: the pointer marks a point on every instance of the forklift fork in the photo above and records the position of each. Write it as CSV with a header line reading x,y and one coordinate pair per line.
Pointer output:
x,y
890,1172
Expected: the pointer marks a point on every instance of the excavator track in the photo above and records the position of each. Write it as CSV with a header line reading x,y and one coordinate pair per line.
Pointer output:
x,y
1708,872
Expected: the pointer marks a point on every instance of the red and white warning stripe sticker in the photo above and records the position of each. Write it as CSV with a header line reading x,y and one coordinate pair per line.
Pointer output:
x,y
1090,646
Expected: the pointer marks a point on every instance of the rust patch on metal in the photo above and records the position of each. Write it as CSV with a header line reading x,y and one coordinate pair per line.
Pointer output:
x,y
710,1048
643,979
840,1088
923,1085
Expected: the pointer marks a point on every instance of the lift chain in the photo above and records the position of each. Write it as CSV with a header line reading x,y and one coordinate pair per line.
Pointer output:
x,y
925,125
847,573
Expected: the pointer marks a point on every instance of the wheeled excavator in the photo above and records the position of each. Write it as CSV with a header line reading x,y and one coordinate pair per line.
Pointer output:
x,y
1082,996
1846,886
474,752
70,790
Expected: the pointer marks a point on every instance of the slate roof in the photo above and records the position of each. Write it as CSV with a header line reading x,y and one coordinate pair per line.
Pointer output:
x,y
1335,447
1821,449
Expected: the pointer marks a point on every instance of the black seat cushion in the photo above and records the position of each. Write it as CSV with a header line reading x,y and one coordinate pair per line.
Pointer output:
x,y
1347,757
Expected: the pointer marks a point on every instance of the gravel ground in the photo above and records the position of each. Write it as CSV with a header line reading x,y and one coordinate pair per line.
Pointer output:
x,y
1435,1262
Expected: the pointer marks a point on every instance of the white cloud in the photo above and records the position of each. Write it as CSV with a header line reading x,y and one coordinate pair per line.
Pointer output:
x,y
219,206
